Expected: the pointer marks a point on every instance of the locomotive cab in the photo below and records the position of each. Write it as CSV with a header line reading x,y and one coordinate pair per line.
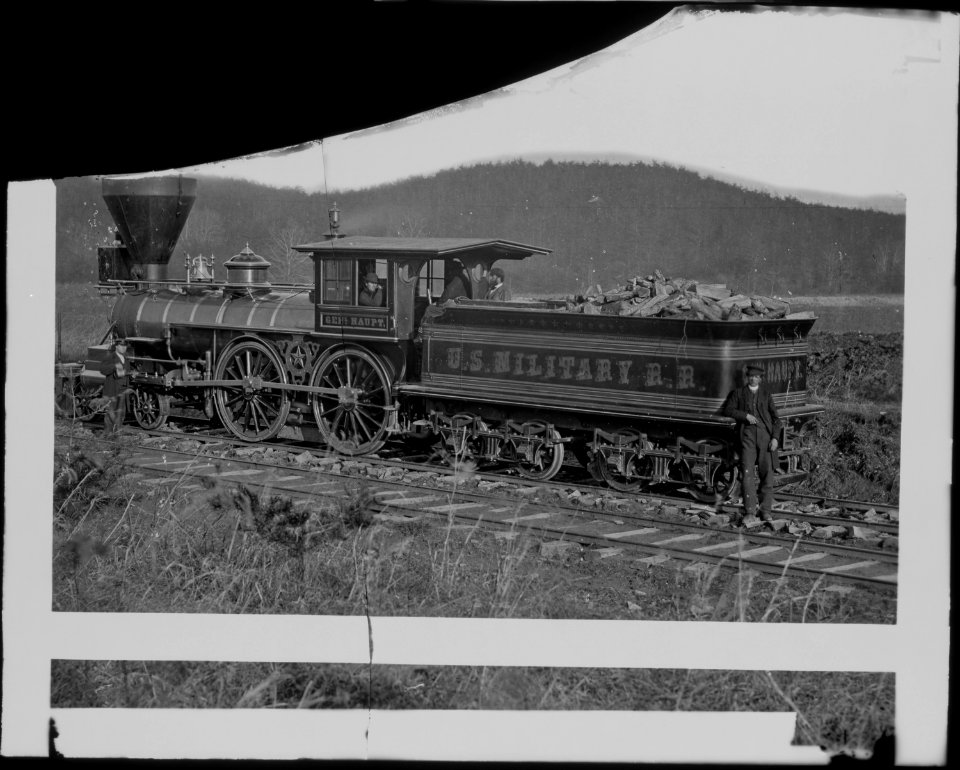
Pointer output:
x,y
412,274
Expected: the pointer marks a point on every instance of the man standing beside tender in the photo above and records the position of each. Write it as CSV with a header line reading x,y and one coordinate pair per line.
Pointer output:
x,y
758,425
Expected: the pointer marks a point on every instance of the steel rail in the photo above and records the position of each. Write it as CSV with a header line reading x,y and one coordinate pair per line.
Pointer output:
x,y
615,516
566,531
593,488
692,555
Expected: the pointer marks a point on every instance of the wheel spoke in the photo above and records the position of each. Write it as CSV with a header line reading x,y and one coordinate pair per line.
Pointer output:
x,y
336,378
362,412
365,374
259,410
257,414
268,407
268,371
363,424
232,401
355,432
372,374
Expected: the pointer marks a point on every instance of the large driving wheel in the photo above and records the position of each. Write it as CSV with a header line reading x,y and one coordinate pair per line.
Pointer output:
x,y
353,420
249,409
150,409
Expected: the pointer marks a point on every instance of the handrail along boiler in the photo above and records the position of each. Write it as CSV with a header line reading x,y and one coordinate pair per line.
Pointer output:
x,y
635,399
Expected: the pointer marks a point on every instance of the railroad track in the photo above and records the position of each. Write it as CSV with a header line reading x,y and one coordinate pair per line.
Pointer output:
x,y
810,509
642,538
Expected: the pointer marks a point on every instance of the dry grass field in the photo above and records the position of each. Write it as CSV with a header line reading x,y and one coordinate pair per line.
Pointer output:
x,y
119,547
838,711
84,318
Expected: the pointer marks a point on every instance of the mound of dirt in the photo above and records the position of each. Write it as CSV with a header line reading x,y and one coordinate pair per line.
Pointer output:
x,y
856,367
855,455
855,445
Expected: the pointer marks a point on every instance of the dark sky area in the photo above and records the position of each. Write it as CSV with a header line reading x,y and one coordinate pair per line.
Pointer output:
x,y
124,96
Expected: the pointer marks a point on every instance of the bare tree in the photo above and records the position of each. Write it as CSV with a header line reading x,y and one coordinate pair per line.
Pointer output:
x,y
287,265
882,258
412,226
836,266
203,232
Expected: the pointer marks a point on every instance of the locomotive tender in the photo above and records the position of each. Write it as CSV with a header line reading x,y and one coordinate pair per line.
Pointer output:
x,y
636,400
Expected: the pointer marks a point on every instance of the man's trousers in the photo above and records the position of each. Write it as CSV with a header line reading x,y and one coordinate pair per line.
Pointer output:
x,y
756,461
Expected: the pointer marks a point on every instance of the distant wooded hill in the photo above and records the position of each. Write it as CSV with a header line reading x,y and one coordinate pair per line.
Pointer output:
x,y
605,223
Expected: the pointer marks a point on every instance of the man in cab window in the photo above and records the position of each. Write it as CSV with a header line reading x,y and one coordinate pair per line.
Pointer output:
x,y
371,295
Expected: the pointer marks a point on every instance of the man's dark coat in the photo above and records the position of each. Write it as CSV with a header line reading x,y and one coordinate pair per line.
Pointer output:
x,y
113,385
371,300
766,413
500,294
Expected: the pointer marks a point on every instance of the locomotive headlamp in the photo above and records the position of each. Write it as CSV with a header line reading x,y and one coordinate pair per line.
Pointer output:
x,y
334,214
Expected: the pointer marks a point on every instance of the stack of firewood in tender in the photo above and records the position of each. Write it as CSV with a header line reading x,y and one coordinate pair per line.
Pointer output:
x,y
656,295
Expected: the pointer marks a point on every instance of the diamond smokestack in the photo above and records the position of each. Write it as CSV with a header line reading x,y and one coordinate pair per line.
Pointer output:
x,y
150,213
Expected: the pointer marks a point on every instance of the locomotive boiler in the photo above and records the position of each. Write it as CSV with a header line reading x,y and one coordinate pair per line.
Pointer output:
x,y
635,400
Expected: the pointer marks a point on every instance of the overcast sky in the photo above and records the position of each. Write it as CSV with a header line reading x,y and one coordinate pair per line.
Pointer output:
x,y
799,100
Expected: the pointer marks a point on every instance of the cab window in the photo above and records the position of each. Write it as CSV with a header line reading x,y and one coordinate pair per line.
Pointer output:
x,y
364,268
432,278
339,287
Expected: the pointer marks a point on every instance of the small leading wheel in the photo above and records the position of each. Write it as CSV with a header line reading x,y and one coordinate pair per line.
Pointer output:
x,y
248,409
538,461
353,417
627,473
73,399
150,409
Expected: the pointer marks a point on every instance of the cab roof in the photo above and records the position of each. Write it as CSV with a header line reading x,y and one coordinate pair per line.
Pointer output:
x,y
352,246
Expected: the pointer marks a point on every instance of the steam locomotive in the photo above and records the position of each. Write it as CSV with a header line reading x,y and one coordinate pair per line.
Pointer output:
x,y
635,400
